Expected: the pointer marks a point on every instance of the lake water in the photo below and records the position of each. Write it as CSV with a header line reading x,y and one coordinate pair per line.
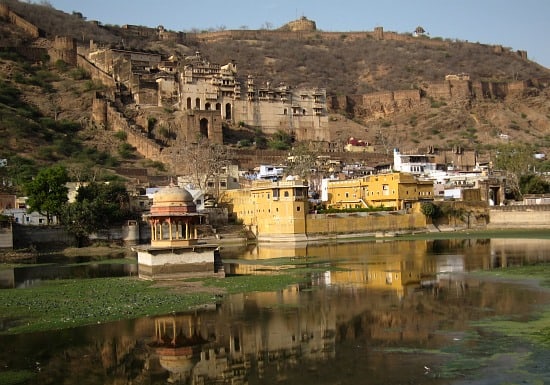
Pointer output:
x,y
388,312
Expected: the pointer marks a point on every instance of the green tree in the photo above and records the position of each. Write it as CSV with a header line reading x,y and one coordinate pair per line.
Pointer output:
x,y
533,184
97,206
430,210
260,140
47,192
280,141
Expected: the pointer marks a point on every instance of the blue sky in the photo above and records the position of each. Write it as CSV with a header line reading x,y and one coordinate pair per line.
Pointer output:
x,y
519,25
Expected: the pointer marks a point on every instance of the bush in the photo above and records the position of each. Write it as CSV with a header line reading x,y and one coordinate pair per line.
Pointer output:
x,y
126,151
121,135
93,85
430,210
244,143
79,74
61,66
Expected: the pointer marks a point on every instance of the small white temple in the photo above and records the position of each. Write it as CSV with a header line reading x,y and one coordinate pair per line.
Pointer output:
x,y
175,251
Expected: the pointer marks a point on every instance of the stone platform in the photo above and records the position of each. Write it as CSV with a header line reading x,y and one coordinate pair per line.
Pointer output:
x,y
200,260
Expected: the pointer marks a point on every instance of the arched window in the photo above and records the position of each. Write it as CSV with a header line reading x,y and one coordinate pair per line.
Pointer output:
x,y
207,106
188,103
198,103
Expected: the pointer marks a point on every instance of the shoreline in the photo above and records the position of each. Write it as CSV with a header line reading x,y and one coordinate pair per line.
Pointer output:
x,y
123,251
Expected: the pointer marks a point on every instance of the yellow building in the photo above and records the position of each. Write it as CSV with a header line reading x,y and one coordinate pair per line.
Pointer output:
x,y
394,190
272,210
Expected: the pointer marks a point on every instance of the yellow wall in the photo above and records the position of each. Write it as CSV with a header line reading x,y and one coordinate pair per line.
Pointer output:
x,y
388,190
357,223
271,208
269,216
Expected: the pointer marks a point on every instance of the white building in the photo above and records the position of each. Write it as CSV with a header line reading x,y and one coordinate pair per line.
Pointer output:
x,y
20,216
414,164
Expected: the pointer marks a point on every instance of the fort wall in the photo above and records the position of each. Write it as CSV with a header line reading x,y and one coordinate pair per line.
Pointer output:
x,y
328,225
115,121
96,73
310,34
64,48
17,20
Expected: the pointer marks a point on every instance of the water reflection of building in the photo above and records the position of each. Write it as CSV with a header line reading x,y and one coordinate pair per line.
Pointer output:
x,y
212,346
395,266
515,252
287,335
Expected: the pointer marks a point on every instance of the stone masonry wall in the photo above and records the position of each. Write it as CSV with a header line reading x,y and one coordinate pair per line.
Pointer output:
x,y
358,223
17,20
41,236
117,122
96,73
525,216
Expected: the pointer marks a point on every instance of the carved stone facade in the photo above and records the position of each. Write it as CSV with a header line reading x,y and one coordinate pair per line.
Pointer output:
x,y
210,93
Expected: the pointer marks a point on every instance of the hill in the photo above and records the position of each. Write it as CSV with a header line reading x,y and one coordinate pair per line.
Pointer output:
x,y
350,66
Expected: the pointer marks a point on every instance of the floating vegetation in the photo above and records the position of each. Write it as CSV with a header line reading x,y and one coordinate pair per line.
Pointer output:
x,y
11,377
68,303
62,304
252,283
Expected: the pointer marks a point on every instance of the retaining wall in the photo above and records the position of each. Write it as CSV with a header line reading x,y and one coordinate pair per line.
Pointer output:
x,y
524,216
360,223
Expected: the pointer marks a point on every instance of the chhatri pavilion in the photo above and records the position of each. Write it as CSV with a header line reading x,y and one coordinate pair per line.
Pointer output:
x,y
173,218
175,250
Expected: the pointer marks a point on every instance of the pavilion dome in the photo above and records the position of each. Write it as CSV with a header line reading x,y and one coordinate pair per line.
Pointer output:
x,y
173,200
172,194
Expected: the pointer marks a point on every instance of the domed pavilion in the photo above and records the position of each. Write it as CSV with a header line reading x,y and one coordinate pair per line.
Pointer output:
x,y
175,251
173,218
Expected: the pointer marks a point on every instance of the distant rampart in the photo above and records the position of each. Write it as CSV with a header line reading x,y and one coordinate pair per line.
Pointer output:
x,y
135,137
96,73
383,103
308,34
105,114
17,20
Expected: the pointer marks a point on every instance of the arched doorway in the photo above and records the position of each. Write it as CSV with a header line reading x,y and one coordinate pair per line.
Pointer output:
x,y
228,111
207,106
204,127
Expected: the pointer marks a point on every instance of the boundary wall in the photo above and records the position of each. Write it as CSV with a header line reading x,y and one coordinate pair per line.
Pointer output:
x,y
524,216
355,224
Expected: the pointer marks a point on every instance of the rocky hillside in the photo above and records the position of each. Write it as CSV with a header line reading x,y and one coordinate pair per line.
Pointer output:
x,y
346,64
